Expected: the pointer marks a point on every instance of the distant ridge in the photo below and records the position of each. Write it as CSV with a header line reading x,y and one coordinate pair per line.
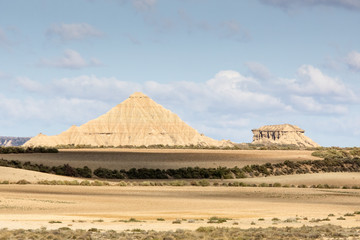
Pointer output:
x,y
13,141
282,134
136,121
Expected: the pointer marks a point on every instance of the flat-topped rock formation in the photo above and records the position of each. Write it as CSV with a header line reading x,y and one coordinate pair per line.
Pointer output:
x,y
137,121
283,134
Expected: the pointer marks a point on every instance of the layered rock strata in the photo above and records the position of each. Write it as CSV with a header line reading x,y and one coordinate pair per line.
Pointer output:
x,y
283,134
137,121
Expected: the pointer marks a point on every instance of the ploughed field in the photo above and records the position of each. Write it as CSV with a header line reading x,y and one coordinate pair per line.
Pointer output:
x,y
160,158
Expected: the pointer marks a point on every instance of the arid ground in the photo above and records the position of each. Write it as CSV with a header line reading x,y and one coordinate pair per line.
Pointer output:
x,y
33,206
160,158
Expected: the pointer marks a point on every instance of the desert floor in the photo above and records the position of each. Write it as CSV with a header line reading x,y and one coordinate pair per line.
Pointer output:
x,y
160,158
35,206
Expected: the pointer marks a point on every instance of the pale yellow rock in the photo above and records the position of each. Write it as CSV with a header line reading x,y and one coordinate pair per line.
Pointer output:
x,y
283,134
136,121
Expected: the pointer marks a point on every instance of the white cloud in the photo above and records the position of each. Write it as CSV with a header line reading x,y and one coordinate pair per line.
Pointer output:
x,y
29,85
221,107
292,4
4,39
144,5
353,60
92,87
309,104
71,59
258,70
227,90
232,29
2,75
69,110
75,31
311,81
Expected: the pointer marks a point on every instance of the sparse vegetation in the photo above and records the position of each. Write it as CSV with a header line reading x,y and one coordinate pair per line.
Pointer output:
x,y
52,222
22,182
305,232
63,170
268,169
243,146
17,150
218,220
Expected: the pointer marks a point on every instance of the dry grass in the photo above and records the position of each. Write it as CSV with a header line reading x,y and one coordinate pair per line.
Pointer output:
x,y
316,232
160,158
32,206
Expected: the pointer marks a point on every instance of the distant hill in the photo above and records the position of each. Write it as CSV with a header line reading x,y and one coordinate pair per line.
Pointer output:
x,y
13,141
137,121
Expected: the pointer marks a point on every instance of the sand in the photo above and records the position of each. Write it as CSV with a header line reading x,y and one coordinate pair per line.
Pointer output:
x,y
337,179
35,206
14,175
107,207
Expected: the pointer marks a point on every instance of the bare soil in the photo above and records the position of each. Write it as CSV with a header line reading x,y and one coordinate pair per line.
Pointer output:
x,y
160,158
80,207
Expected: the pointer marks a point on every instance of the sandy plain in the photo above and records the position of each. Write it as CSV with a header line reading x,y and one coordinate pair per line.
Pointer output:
x,y
35,206
109,207
116,158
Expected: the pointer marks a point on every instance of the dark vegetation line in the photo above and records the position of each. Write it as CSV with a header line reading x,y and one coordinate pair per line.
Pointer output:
x,y
8,150
268,169
242,146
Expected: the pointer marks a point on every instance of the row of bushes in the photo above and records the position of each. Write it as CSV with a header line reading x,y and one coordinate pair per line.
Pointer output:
x,y
180,173
8,150
255,170
64,170
336,152
243,146
181,183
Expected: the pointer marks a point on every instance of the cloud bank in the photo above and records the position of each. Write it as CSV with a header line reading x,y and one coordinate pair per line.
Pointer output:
x,y
71,60
292,4
225,106
74,31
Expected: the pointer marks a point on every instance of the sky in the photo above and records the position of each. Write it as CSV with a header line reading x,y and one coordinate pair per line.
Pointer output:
x,y
224,67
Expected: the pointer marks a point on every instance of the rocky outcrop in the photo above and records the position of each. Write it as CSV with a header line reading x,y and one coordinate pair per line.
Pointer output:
x,y
137,121
283,134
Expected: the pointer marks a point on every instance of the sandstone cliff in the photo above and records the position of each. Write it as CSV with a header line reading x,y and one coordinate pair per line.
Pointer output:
x,y
136,121
284,134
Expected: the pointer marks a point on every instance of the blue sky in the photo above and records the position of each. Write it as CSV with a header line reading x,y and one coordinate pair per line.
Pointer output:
x,y
225,67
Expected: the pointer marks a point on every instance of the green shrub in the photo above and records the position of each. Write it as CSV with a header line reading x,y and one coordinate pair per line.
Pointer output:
x,y
204,183
218,220
178,183
85,183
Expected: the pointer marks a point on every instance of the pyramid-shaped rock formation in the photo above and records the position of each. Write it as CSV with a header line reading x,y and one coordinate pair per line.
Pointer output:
x,y
283,134
137,121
